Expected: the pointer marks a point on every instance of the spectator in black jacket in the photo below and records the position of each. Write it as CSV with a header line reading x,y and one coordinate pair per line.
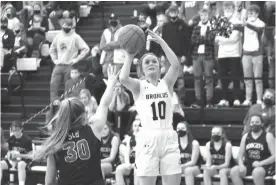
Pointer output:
x,y
6,45
176,34
203,56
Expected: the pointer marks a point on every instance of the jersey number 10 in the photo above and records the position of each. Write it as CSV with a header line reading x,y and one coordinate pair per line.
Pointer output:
x,y
161,106
75,150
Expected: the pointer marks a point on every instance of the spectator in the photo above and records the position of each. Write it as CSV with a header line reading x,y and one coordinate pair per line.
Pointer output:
x,y
6,45
95,57
89,102
20,40
269,35
240,11
106,45
19,145
12,20
109,150
266,110
252,59
75,78
179,41
152,46
256,155
37,27
64,53
149,11
229,57
176,105
189,11
4,144
218,157
203,57
120,101
180,91
128,167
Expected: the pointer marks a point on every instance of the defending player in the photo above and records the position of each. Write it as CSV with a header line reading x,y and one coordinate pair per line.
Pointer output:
x,y
157,143
73,148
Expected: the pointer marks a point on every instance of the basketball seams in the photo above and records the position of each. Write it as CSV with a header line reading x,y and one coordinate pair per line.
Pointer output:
x,y
128,41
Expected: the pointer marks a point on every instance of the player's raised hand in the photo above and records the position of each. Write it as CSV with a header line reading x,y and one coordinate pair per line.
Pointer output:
x,y
112,75
155,37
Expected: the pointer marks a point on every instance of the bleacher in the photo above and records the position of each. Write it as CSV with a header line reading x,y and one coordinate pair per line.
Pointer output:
x,y
36,90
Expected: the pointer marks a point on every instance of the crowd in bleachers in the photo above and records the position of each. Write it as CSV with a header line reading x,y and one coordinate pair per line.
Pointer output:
x,y
201,53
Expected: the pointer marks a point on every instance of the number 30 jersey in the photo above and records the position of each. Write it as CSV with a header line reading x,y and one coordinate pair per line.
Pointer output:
x,y
154,105
79,161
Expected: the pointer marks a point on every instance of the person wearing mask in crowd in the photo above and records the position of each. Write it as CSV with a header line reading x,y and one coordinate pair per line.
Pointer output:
x,y
12,20
149,11
107,45
20,44
256,155
229,57
266,110
128,167
203,57
37,27
109,150
219,158
179,42
6,45
89,102
19,146
189,151
75,78
68,48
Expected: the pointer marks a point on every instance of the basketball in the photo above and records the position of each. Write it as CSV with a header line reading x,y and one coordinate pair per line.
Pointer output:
x,y
131,38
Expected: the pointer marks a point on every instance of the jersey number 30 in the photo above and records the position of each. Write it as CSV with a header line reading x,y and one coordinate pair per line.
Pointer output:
x,y
75,150
161,106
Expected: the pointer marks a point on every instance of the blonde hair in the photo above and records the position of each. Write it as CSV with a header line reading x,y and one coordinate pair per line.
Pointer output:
x,y
70,116
140,64
92,104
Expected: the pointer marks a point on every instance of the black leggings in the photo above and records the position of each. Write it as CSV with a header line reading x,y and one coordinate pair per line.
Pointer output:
x,y
230,67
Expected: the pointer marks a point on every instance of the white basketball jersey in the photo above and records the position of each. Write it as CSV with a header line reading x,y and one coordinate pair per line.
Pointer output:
x,y
154,105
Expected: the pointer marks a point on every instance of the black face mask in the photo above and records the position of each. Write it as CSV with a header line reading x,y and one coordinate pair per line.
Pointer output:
x,y
106,137
216,138
113,23
256,128
144,29
174,19
268,102
66,30
17,31
9,15
3,27
36,11
181,133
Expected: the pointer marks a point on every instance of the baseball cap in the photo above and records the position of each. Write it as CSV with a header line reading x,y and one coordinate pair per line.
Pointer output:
x,y
113,17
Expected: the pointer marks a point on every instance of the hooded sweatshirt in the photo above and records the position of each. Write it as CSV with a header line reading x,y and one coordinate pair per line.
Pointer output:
x,y
65,48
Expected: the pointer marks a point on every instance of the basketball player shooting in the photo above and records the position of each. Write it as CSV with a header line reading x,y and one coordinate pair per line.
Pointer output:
x,y
157,144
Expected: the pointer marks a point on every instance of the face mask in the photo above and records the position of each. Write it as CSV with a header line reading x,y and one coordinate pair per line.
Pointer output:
x,y
105,137
216,138
256,128
17,31
268,102
66,30
113,23
36,11
9,15
182,133
3,27
173,19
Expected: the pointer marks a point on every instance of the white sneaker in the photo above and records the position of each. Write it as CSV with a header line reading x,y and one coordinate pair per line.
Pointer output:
x,y
237,103
246,103
223,103
259,102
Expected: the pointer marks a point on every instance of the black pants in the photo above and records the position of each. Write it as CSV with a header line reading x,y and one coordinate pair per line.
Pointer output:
x,y
230,67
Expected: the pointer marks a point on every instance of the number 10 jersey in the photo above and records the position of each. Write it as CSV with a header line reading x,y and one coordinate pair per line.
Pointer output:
x,y
154,105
